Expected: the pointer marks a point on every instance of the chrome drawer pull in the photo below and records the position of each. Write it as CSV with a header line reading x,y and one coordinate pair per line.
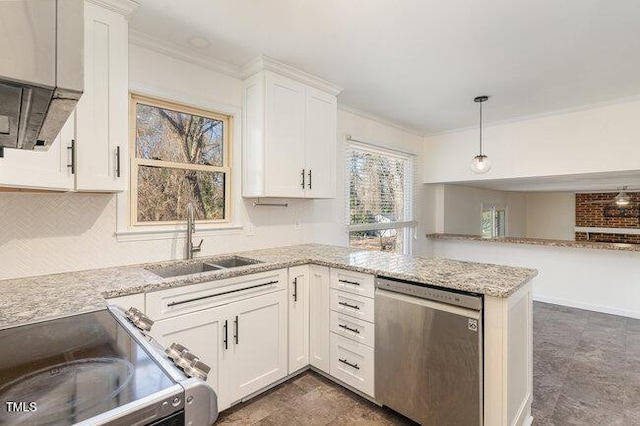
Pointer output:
x,y
346,327
344,361
349,305
349,282
220,294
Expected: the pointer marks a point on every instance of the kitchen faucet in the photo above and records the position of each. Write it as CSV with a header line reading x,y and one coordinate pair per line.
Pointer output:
x,y
191,229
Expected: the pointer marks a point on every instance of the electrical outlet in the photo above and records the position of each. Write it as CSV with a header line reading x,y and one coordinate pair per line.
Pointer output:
x,y
249,229
296,224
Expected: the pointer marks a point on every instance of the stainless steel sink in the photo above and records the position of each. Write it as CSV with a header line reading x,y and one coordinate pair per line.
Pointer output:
x,y
233,262
199,267
194,268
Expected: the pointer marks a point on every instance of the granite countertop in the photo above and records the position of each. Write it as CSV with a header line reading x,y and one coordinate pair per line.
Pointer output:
x,y
538,242
48,296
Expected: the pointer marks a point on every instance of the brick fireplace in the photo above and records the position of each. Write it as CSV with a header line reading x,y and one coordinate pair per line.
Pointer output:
x,y
595,210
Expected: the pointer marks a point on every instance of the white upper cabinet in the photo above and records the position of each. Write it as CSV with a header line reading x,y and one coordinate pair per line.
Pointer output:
x,y
284,155
289,144
320,144
98,130
51,169
102,112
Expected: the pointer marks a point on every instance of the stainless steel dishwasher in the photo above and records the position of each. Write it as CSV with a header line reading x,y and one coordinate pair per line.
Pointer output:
x,y
428,353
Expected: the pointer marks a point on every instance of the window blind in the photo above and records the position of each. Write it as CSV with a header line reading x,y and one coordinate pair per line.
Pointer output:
x,y
380,188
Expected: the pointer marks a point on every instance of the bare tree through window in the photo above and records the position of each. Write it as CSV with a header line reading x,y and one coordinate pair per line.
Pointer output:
x,y
181,156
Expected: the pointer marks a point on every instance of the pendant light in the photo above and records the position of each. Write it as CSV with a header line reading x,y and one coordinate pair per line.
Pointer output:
x,y
623,199
480,163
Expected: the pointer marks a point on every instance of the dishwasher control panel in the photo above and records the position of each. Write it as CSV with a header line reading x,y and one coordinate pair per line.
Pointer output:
x,y
426,292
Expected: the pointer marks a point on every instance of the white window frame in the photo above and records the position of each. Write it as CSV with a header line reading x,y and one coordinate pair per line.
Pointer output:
x,y
126,232
493,208
408,227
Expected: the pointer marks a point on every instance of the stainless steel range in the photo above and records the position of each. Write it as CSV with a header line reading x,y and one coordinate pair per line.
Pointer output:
x,y
100,369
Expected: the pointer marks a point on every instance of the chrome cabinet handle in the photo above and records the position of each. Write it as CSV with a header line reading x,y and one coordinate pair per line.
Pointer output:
x,y
349,282
349,305
72,148
237,333
295,289
346,327
195,299
344,361
309,178
118,161
302,178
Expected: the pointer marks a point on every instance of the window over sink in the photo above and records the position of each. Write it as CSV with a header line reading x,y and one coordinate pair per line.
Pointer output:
x,y
179,155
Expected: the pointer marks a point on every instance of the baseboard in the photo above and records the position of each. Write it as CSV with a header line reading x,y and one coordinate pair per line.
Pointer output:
x,y
587,306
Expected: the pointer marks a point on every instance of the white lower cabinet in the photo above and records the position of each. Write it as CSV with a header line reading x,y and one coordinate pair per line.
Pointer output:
x,y
352,329
129,301
352,363
319,314
298,317
256,329
202,332
257,354
244,343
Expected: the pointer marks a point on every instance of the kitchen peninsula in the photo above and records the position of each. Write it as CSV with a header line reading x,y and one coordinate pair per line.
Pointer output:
x,y
506,292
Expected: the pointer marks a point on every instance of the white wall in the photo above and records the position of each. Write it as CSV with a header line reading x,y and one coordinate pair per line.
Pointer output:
x,y
50,233
550,215
599,280
595,140
463,208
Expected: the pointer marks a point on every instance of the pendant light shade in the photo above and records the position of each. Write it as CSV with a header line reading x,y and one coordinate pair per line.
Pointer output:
x,y
480,163
622,199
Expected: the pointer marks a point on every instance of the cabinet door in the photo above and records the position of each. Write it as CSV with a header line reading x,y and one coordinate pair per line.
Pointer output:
x,y
320,144
101,146
41,169
284,129
298,317
203,333
257,344
319,317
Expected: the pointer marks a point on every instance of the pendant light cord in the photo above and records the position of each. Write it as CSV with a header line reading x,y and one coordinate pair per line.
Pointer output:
x,y
481,127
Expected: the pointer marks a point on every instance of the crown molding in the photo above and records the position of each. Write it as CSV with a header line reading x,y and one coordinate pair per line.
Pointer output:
x,y
123,7
369,116
178,52
551,113
265,63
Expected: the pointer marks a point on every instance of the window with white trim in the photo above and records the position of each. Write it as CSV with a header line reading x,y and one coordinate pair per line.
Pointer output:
x,y
179,155
380,198
494,221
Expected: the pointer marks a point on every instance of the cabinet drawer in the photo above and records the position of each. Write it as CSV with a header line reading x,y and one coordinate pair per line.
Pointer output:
x,y
352,304
353,328
353,282
180,300
352,363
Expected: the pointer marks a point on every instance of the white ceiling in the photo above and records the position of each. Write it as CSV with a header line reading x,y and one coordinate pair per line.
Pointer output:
x,y
419,63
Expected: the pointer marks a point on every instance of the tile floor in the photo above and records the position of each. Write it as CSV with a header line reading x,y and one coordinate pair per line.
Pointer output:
x,y
586,372
586,368
306,400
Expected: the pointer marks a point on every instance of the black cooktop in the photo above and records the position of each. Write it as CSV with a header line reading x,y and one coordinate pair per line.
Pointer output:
x,y
67,370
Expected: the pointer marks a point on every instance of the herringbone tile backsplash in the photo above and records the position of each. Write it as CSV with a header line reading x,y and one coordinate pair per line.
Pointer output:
x,y
50,233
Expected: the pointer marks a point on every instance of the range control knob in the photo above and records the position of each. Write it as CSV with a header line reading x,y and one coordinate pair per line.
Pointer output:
x,y
197,369
175,350
132,313
139,319
185,359
144,323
